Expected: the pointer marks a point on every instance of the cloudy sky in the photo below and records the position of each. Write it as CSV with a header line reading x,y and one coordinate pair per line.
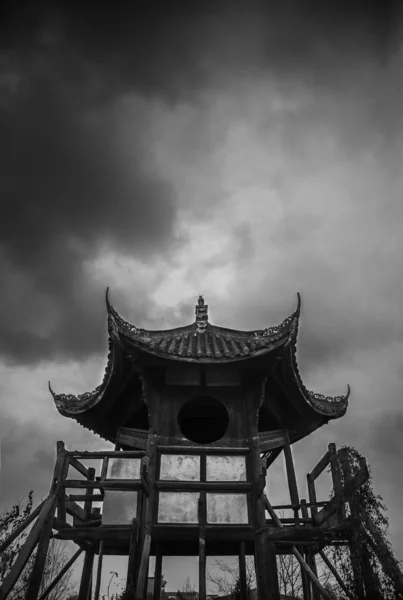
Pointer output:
x,y
222,148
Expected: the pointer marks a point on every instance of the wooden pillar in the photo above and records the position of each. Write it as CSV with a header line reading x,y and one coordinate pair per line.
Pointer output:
x,y
306,585
134,557
150,503
86,576
158,572
311,561
291,477
355,538
243,584
99,570
337,483
202,564
265,552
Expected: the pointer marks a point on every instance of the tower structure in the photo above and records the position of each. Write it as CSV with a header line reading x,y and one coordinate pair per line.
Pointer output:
x,y
205,403
197,415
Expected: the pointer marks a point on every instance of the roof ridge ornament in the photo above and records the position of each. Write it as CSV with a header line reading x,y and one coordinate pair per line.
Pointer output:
x,y
201,311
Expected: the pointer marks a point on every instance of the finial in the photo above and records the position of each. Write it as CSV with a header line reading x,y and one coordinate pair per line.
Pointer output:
x,y
201,314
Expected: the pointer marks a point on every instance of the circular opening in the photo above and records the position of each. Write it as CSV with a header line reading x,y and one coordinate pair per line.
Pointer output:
x,y
203,420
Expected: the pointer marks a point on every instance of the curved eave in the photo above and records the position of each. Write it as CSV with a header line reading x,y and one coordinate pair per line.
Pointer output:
x,y
331,407
70,405
212,344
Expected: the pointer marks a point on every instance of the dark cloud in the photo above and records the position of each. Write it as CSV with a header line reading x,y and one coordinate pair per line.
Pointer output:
x,y
67,188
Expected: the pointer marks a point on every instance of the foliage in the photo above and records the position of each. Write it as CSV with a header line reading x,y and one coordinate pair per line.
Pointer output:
x,y
9,522
56,558
370,546
225,576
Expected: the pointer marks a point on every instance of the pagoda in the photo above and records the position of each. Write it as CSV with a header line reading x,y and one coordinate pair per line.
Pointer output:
x,y
206,404
197,414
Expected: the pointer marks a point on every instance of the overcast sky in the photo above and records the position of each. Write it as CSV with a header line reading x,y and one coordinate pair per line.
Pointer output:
x,y
202,147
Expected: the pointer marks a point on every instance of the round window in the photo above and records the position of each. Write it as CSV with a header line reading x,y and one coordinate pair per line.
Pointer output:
x,y
203,420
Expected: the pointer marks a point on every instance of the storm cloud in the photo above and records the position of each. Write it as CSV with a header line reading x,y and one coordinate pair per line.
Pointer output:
x,y
243,150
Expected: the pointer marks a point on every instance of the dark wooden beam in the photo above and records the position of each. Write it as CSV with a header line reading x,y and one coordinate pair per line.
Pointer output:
x,y
242,572
211,486
99,570
124,484
86,576
228,450
108,454
158,572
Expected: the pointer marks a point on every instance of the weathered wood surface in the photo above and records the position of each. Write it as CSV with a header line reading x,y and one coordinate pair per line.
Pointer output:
x,y
86,576
158,572
133,556
124,484
337,483
94,534
27,548
83,497
133,438
204,450
99,570
271,440
107,453
60,575
291,477
212,486
301,534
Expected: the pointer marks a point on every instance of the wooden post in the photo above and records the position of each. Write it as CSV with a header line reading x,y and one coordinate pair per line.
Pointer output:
x,y
337,483
99,570
145,555
311,561
202,565
312,495
291,477
158,572
243,584
86,576
355,539
306,585
44,539
133,560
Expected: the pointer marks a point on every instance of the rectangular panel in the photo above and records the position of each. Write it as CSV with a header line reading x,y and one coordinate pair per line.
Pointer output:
x,y
123,468
178,507
119,507
225,468
227,509
180,467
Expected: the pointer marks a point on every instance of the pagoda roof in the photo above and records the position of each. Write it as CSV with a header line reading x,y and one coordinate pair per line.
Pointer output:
x,y
199,343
